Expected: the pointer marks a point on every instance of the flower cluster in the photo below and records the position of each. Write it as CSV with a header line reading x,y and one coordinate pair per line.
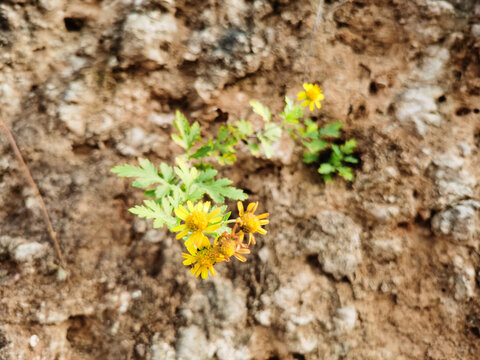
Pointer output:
x,y
311,96
197,221
202,254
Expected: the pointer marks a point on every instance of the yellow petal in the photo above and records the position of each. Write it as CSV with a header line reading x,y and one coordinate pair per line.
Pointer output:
x,y
190,206
179,228
181,212
190,246
250,207
311,106
321,97
241,235
261,231
188,262
214,213
206,206
205,242
301,96
204,273
212,228
216,220
199,240
263,216
240,208
182,234
240,257
306,86
212,270
264,222
195,269
251,239
199,207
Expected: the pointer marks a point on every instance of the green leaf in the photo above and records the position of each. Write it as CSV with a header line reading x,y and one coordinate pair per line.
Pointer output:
x,y
188,135
326,168
309,158
227,159
185,173
222,134
316,145
311,130
254,148
346,173
219,189
348,147
150,193
202,152
327,178
272,132
146,174
206,175
261,110
167,172
332,129
351,159
244,128
291,112
153,210
268,137
336,151
266,145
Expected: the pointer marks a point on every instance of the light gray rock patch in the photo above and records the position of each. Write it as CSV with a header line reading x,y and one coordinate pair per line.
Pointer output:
x,y
336,240
459,221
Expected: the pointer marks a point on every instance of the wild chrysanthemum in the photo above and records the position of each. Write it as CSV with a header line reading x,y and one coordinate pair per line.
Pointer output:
x,y
228,246
312,96
250,223
202,260
197,221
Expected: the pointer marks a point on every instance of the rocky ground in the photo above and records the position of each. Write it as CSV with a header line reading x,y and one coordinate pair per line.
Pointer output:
x,y
386,267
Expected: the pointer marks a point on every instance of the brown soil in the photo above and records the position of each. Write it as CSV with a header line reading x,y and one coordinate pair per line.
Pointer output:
x,y
386,267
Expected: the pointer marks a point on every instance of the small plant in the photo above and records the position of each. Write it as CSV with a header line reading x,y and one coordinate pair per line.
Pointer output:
x,y
176,194
316,140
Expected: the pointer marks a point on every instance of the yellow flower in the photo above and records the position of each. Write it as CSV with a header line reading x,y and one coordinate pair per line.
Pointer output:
x,y
312,96
202,260
228,246
249,222
197,221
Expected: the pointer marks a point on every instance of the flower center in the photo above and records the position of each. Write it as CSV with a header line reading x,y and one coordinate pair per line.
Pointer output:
x,y
250,223
206,257
197,221
227,247
313,93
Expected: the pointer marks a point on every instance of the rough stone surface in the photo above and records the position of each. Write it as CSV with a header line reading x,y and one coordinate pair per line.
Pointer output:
x,y
419,107
29,251
336,240
460,221
384,267
144,35
192,344
345,319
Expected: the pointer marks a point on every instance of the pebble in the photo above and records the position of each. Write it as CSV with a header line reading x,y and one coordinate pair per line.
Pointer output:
x,y
34,340
29,251
345,319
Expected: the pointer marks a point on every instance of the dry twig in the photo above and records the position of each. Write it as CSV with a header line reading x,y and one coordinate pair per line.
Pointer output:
x,y
26,170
